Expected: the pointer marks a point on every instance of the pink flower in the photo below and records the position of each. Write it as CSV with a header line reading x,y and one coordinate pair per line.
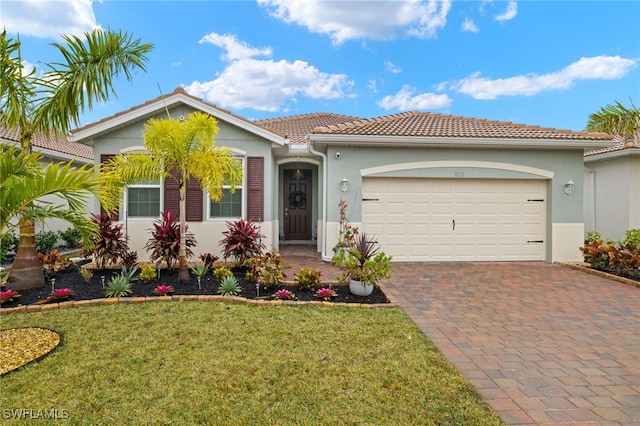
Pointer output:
x,y
284,294
61,293
325,293
163,290
8,295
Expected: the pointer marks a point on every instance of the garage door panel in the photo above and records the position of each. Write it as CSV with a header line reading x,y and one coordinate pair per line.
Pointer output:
x,y
493,218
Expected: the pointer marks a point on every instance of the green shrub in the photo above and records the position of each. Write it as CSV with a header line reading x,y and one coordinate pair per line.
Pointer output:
x,y
308,279
229,286
118,286
632,237
86,274
8,244
148,274
46,241
593,236
200,270
221,273
71,237
266,270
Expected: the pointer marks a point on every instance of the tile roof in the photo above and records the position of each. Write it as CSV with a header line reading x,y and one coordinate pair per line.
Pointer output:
x,y
297,127
621,145
54,142
438,125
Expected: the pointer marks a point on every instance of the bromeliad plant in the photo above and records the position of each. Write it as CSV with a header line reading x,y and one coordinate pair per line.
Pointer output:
x,y
163,290
242,240
325,294
8,296
364,261
164,243
60,294
284,294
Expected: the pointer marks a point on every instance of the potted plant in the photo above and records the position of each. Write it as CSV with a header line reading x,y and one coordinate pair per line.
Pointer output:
x,y
363,264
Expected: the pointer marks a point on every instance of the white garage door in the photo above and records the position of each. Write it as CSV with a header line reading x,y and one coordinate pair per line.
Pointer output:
x,y
456,219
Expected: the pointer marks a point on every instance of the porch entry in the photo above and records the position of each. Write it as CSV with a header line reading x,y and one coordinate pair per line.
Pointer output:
x,y
297,205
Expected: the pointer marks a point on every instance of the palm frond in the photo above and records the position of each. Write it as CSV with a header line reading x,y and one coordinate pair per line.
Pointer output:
x,y
617,120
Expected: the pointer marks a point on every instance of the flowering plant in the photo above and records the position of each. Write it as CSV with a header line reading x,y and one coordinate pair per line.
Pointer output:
x,y
346,231
61,294
325,294
163,290
284,294
8,295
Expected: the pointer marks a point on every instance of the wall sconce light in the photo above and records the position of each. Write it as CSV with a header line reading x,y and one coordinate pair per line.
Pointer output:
x,y
345,185
568,187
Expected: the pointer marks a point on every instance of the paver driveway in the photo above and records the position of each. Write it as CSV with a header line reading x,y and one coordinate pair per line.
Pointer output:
x,y
543,343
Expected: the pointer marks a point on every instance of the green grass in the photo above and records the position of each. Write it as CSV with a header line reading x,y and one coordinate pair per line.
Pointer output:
x,y
234,364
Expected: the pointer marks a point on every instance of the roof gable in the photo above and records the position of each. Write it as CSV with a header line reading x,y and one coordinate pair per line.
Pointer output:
x,y
178,96
297,127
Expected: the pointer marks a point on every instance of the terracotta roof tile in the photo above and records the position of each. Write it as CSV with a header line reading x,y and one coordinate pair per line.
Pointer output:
x,y
439,125
297,127
621,145
54,142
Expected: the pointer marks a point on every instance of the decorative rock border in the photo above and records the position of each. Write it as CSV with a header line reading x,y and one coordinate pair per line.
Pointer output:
x,y
40,342
190,298
589,270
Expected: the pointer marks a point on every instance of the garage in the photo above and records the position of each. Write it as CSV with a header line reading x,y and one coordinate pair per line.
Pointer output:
x,y
429,219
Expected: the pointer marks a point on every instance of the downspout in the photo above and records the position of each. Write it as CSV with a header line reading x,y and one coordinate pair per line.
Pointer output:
x,y
325,180
592,204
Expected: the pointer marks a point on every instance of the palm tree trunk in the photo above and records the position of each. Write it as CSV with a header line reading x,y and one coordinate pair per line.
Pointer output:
x,y
26,271
183,271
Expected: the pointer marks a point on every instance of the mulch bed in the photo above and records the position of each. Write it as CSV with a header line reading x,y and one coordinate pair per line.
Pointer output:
x,y
209,286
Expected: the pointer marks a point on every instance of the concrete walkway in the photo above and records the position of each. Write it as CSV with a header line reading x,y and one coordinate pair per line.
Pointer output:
x,y
543,343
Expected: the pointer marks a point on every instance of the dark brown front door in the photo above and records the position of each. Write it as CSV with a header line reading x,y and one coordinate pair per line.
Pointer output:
x,y
297,205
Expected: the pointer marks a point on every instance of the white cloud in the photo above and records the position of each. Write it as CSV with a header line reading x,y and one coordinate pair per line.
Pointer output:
x,y
372,85
392,68
469,26
48,18
594,68
176,64
348,20
406,101
509,14
264,85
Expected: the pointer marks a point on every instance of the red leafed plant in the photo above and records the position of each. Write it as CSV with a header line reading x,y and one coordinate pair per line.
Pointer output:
x,y
164,243
61,294
242,240
110,244
284,294
8,296
325,294
163,290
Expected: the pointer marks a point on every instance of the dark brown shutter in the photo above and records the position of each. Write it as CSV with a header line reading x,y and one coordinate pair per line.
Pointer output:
x,y
115,215
255,189
172,194
193,195
194,201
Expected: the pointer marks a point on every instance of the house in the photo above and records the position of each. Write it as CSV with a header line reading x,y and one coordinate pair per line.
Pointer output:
x,y
612,189
431,187
54,148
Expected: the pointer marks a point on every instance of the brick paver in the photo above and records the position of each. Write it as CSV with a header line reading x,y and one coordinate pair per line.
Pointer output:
x,y
544,344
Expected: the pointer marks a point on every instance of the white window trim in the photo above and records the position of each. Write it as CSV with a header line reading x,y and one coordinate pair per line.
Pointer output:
x,y
242,155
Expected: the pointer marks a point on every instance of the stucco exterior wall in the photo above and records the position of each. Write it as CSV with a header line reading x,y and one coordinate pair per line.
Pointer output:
x,y
612,195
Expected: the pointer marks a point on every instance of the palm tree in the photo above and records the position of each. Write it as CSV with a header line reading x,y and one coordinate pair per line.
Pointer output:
x,y
50,104
24,184
617,120
178,149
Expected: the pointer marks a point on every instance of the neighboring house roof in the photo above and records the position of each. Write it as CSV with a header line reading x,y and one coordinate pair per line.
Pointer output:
x,y
622,145
297,127
52,144
152,107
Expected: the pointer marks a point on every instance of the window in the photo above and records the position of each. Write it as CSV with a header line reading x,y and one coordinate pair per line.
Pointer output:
x,y
143,199
229,206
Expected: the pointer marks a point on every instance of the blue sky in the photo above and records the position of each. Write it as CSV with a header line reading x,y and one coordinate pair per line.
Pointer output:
x,y
542,63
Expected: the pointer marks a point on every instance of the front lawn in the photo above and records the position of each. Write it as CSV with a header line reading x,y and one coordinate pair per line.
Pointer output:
x,y
217,363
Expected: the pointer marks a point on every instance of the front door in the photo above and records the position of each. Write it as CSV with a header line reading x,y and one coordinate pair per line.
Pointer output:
x,y
297,205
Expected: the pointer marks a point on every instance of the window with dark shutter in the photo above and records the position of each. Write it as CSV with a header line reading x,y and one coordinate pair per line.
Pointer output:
x,y
115,215
255,189
172,194
193,195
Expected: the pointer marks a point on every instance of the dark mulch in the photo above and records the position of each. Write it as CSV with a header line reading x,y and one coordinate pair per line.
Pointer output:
x,y
209,286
